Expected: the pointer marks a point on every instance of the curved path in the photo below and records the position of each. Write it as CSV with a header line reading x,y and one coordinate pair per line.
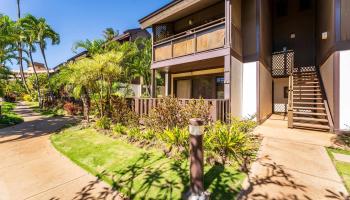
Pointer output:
x,y
31,168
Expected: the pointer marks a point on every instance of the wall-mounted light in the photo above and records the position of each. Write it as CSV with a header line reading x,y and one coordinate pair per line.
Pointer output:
x,y
324,35
292,36
190,22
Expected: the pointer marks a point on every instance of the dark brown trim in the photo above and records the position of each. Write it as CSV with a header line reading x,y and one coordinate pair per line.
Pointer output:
x,y
192,58
236,55
336,84
337,18
250,58
161,9
265,118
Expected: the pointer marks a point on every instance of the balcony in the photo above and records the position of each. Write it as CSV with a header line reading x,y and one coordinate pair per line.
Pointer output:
x,y
203,38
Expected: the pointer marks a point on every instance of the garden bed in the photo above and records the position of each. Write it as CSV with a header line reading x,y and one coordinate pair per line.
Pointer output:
x,y
141,173
343,168
8,117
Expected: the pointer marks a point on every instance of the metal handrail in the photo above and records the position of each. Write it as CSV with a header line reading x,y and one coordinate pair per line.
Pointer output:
x,y
189,32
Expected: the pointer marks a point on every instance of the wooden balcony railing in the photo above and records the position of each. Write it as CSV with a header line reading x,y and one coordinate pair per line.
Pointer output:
x,y
219,108
202,38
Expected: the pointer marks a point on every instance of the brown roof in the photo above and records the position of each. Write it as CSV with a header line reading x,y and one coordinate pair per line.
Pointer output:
x,y
171,4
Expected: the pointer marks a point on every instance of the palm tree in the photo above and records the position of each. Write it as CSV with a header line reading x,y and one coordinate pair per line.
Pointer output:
x,y
92,47
30,37
45,32
19,40
110,33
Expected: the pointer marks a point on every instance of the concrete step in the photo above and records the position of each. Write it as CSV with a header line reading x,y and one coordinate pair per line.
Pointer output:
x,y
312,126
310,119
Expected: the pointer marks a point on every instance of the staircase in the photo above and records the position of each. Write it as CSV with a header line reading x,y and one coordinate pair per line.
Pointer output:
x,y
308,107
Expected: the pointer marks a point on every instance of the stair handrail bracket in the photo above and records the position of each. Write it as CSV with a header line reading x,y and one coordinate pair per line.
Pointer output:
x,y
290,100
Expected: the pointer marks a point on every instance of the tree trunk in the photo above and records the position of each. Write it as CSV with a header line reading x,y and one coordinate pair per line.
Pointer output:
x,y
20,61
47,71
18,9
86,103
36,77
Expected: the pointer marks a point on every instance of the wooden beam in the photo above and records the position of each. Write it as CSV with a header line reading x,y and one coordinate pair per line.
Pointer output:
x,y
153,83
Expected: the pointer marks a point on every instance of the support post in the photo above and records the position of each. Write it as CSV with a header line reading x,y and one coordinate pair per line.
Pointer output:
x,y
153,83
167,84
227,77
196,129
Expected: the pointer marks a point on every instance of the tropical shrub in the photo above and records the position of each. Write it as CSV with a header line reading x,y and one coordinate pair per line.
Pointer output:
x,y
122,113
170,113
70,108
177,138
103,123
27,98
119,129
232,142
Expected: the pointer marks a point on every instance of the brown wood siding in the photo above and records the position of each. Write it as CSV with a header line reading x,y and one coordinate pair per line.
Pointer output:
x,y
266,33
325,19
302,24
236,32
345,20
249,30
204,16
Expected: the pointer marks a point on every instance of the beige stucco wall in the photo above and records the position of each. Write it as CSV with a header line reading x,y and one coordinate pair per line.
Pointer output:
x,y
326,71
280,103
265,92
236,87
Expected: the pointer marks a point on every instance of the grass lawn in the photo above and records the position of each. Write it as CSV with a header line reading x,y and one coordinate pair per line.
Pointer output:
x,y
140,173
343,168
9,118
48,113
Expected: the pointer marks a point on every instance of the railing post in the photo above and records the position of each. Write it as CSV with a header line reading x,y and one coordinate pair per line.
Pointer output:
x,y
290,101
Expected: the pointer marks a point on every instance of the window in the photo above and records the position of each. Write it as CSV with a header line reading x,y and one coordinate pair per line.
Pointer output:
x,y
282,8
285,92
220,82
305,5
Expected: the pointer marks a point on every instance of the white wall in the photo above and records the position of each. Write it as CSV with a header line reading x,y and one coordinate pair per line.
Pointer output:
x,y
249,102
236,87
344,90
326,71
265,90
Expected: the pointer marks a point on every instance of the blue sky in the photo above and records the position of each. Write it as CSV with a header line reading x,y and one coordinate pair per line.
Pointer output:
x,y
78,20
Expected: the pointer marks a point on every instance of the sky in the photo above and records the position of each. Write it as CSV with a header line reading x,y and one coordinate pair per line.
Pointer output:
x,y
78,20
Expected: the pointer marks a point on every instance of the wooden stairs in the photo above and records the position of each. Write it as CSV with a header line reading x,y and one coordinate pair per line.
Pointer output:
x,y
309,106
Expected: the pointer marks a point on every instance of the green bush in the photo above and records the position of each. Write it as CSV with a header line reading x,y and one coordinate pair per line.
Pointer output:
x,y
104,123
27,98
233,142
176,137
119,129
122,113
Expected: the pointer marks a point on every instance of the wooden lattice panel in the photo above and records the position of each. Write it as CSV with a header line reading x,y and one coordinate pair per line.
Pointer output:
x,y
162,31
282,63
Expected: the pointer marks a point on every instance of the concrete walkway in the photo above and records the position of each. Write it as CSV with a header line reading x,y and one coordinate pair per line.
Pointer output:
x,y
293,164
30,167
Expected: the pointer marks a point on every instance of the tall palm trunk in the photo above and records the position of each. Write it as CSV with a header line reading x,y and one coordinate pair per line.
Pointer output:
x,y
86,103
42,49
18,9
36,77
20,61
20,53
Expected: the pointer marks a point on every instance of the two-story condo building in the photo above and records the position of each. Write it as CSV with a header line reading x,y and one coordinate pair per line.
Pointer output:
x,y
257,57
